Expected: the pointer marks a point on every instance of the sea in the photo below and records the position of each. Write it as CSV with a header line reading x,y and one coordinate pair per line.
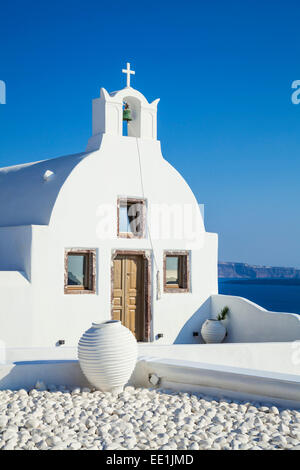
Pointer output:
x,y
278,295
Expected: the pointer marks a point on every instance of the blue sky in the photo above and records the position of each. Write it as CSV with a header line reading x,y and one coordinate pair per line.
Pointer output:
x,y
223,71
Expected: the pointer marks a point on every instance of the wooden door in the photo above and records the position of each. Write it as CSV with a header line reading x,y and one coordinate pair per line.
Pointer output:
x,y
128,293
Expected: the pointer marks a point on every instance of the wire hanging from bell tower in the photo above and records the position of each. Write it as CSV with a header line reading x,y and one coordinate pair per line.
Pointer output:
x,y
158,285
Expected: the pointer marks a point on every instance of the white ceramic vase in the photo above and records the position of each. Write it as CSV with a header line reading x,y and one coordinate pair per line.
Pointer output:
x,y
107,355
213,331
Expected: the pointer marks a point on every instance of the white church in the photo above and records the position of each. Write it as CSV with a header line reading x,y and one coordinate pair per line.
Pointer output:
x,y
116,233
112,232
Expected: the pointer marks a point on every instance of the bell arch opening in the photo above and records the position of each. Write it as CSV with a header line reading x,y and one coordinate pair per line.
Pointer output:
x,y
131,117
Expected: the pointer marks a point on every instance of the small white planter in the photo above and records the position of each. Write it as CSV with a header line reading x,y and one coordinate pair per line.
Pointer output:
x,y
107,354
213,331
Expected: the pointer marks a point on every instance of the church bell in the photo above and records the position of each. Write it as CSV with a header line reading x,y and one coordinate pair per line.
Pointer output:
x,y
127,113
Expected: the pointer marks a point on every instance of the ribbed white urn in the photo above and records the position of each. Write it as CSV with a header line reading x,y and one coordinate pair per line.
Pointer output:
x,y
213,331
107,355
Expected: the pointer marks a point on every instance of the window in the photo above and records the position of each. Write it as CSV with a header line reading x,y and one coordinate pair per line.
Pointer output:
x,y
80,271
131,218
176,271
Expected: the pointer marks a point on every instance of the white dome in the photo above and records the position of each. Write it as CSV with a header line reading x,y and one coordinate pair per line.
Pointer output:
x,y
26,197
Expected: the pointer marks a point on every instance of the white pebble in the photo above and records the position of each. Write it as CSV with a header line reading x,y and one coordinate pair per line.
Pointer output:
x,y
139,419
32,423
3,421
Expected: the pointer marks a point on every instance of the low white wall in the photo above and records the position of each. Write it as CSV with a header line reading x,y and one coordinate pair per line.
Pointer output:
x,y
272,357
26,374
264,372
60,353
219,381
250,323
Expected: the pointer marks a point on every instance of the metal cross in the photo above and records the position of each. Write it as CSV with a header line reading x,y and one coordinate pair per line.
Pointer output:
x,y
128,73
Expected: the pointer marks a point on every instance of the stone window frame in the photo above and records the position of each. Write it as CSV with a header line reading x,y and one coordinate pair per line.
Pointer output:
x,y
186,272
132,200
91,271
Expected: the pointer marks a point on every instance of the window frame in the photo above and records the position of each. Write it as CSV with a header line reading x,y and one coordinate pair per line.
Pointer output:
x,y
128,201
185,272
90,271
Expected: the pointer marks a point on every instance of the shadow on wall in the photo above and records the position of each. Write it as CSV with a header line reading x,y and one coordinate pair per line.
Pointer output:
x,y
15,250
26,374
194,324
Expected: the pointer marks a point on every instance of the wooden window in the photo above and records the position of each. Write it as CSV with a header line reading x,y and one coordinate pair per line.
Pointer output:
x,y
176,271
80,271
131,218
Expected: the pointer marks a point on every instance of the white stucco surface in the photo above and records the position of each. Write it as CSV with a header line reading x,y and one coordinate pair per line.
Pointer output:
x,y
25,197
248,322
219,380
274,357
71,202
264,372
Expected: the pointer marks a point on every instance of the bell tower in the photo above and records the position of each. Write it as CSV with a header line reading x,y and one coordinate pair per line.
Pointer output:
x,y
109,111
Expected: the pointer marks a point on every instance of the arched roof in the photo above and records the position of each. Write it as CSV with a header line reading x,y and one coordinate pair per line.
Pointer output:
x,y
26,197
125,92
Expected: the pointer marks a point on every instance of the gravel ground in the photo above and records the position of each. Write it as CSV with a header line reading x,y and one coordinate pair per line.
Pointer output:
x,y
57,419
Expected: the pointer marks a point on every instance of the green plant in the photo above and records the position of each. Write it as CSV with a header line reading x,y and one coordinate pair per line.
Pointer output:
x,y
223,314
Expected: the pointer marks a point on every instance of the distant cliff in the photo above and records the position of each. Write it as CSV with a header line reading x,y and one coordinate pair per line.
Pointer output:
x,y
247,271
